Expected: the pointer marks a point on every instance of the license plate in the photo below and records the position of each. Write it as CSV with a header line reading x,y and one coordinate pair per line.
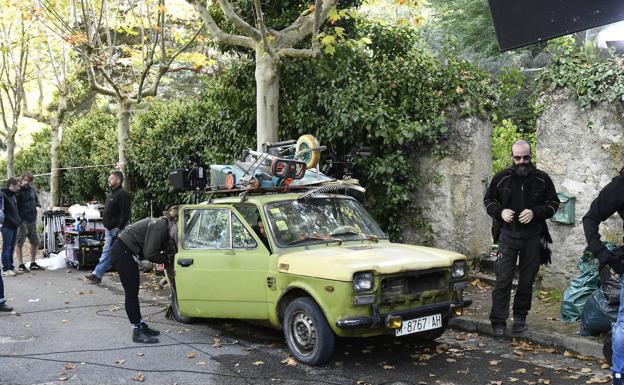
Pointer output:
x,y
421,324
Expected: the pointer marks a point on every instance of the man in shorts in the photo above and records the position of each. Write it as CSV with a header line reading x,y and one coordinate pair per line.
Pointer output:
x,y
27,203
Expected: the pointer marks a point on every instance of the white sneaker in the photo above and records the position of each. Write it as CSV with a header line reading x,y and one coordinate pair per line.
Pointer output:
x,y
9,273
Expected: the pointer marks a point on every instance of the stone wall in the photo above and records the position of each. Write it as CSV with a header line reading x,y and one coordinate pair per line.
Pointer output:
x,y
581,151
452,197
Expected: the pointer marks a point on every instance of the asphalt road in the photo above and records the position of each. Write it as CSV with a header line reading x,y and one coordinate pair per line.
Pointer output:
x,y
69,332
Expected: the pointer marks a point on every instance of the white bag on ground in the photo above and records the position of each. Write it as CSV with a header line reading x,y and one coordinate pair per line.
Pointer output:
x,y
53,262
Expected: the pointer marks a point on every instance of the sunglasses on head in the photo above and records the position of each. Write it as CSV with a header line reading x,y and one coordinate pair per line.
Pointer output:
x,y
524,157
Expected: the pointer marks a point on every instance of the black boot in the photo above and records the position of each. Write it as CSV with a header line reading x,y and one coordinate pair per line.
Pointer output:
x,y
5,307
147,330
499,331
519,324
142,337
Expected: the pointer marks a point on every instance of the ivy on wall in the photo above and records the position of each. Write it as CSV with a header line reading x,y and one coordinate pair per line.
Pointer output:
x,y
590,76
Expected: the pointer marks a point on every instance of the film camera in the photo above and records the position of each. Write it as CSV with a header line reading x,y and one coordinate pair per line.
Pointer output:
x,y
192,176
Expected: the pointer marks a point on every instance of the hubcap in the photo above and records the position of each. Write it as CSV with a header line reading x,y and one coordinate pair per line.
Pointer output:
x,y
303,332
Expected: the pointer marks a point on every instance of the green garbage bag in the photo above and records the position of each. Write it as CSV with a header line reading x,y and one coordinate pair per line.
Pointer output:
x,y
580,288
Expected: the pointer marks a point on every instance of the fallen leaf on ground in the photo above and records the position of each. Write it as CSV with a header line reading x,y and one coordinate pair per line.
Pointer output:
x,y
599,380
543,381
120,362
201,363
520,371
513,379
388,367
360,382
216,342
139,377
140,354
62,377
257,363
70,365
493,362
451,360
289,361
586,370
190,355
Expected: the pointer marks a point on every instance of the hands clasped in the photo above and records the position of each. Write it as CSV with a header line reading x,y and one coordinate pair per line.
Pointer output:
x,y
525,216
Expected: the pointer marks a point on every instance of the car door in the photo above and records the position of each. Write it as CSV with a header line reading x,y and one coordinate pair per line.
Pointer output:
x,y
221,265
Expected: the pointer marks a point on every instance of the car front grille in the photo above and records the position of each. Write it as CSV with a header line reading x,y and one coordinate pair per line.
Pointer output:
x,y
413,285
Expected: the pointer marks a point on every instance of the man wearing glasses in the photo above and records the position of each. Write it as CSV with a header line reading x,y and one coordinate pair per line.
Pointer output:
x,y
519,199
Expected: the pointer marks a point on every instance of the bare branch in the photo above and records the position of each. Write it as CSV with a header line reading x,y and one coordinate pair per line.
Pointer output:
x,y
263,32
304,25
166,68
237,21
302,53
114,92
216,33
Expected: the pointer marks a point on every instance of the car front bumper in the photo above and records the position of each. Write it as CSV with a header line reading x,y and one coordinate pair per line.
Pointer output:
x,y
377,319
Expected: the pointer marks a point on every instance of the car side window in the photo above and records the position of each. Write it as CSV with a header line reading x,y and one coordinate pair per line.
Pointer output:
x,y
241,237
206,229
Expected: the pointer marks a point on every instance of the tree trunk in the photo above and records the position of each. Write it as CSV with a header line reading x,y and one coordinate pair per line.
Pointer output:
x,y
123,128
10,152
267,97
55,144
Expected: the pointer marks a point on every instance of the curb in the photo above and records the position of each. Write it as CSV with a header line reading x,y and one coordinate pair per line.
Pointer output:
x,y
583,346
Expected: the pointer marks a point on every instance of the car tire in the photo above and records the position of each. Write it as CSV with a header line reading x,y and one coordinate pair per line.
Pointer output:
x,y
307,333
311,158
176,309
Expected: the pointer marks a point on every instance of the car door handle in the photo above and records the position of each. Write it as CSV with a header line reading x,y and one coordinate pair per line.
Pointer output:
x,y
185,262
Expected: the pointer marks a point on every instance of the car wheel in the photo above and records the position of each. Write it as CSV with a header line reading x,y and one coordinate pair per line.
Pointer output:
x,y
304,143
309,337
431,335
176,309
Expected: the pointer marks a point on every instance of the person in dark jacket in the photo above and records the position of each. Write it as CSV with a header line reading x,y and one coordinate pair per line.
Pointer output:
x,y
11,222
115,217
27,203
610,200
148,238
519,199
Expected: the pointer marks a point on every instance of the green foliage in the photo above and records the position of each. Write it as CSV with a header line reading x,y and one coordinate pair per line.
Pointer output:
x,y
87,141
218,127
36,158
392,96
468,22
503,136
583,73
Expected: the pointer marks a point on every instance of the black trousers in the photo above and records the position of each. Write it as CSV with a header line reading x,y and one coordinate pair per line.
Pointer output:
x,y
510,249
128,271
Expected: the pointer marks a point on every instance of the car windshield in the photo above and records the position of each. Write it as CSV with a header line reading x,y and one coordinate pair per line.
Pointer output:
x,y
320,220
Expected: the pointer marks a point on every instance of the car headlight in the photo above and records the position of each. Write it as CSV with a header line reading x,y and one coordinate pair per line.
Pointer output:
x,y
362,281
459,269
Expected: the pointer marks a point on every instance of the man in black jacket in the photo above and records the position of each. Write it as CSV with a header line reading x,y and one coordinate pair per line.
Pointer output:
x,y
610,200
27,203
11,222
520,199
115,217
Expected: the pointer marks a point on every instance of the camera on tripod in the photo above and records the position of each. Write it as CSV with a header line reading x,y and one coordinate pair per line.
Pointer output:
x,y
192,177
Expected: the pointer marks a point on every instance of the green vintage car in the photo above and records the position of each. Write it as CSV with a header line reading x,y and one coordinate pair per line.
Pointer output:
x,y
322,268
